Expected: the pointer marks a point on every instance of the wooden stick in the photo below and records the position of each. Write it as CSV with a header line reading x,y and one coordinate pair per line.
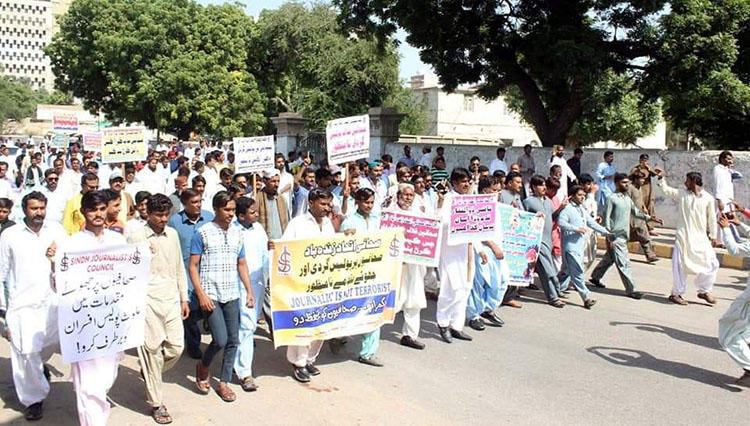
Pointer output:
x,y
255,187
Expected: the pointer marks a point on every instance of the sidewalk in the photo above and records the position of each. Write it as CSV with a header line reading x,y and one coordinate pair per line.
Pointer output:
x,y
664,243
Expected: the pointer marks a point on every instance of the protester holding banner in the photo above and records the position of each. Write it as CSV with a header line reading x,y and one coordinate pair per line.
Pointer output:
x,y
256,254
491,277
315,223
30,324
217,258
456,274
73,217
166,303
363,221
93,378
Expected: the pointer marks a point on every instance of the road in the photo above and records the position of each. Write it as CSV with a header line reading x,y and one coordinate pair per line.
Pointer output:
x,y
624,362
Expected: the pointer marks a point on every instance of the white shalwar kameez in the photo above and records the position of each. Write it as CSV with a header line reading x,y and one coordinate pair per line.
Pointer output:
x,y
301,227
693,251
93,378
32,305
411,297
734,326
456,276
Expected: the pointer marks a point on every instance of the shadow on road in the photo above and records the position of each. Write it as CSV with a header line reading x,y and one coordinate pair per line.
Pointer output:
x,y
709,342
640,359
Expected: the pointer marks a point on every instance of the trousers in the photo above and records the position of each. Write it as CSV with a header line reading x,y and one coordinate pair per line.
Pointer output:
x,y
225,325
243,364
300,356
617,254
28,375
574,263
163,344
370,344
704,282
92,379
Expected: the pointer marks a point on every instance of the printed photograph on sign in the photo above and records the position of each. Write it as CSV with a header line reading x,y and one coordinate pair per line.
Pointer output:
x,y
348,139
521,238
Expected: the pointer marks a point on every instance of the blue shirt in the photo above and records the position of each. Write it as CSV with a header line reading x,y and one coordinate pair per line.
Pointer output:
x,y
606,186
185,230
357,221
571,218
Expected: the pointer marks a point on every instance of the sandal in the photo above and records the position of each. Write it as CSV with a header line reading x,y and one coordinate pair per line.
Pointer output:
x,y
557,303
225,393
161,415
201,379
248,384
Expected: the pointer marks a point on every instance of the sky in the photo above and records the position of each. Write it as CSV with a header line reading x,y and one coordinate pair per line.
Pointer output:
x,y
410,63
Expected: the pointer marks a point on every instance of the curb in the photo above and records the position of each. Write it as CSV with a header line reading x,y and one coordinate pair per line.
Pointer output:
x,y
664,251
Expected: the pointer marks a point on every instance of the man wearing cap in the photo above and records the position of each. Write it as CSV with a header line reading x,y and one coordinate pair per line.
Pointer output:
x,y
127,206
273,213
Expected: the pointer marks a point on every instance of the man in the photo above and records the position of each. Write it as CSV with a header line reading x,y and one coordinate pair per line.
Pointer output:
x,y
723,186
455,279
93,378
638,228
272,209
617,215
286,182
180,185
647,191
307,182
574,162
151,178
225,179
6,206
211,176
186,223
112,222
426,159
6,190
313,224
218,249
127,205
605,177
56,199
166,303
490,278
363,221
575,224
406,159
526,161
26,254
540,203
499,162
374,182
695,238
256,249
565,174
734,325
34,175
73,217
511,195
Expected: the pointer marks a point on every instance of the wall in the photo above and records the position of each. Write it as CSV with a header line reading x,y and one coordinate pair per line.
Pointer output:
x,y
674,163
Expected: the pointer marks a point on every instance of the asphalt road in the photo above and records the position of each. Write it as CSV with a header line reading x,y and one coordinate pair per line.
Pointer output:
x,y
624,362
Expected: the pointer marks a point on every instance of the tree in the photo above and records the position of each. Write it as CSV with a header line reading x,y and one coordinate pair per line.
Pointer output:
x,y
171,64
559,56
309,67
19,101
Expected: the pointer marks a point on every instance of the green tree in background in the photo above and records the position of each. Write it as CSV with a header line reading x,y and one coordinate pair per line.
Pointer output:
x,y
580,69
311,68
19,101
171,64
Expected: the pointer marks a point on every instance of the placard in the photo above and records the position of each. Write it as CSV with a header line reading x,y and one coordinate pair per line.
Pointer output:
x,y
92,141
472,218
253,155
348,139
332,287
58,141
123,144
65,123
422,236
522,237
102,300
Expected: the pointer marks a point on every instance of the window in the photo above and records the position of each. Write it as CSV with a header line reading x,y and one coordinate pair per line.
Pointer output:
x,y
469,103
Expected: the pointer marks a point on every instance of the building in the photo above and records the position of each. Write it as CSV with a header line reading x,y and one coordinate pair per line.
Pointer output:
x,y
463,114
26,28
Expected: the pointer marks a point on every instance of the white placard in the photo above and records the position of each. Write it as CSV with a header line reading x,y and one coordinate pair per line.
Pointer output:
x,y
252,155
348,139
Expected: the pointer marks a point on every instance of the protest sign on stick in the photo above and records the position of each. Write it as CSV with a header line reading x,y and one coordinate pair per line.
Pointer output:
x,y
253,155
102,300
348,139
521,239
123,144
422,236
92,141
472,218
323,288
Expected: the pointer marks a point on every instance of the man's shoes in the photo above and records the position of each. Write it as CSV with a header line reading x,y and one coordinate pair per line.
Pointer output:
x,y
460,335
557,303
533,286
492,319
202,377
195,354
373,361
300,374
637,295
744,380
477,324
677,299
445,334
652,258
589,303
597,283
707,297
513,304
412,343
312,370
34,412
248,384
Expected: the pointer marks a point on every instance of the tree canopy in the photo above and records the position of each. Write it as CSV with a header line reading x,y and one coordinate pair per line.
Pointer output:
x,y
19,100
586,69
